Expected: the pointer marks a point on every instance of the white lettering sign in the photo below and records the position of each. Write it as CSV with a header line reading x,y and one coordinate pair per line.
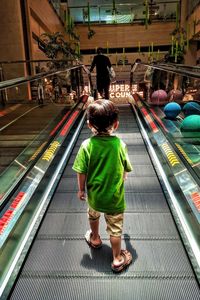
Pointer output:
x,y
122,90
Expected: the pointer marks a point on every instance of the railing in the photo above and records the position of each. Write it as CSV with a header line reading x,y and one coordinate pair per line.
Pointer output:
x,y
176,69
123,13
56,84
173,79
194,69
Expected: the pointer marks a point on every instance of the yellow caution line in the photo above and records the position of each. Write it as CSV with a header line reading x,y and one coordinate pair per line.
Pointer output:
x,y
139,103
183,153
48,154
35,154
170,155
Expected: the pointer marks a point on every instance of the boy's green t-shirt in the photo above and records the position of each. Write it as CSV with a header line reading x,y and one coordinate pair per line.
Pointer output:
x,y
104,159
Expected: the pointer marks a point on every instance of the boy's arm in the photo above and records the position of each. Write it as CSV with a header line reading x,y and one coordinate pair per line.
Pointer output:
x,y
125,175
127,165
81,186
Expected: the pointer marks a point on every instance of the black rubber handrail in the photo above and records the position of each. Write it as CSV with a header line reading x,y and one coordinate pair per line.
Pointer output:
x,y
172,70
17,81
182,66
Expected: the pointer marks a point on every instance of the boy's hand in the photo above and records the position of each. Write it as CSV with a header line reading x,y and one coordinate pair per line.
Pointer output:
x,y
125,176
82,195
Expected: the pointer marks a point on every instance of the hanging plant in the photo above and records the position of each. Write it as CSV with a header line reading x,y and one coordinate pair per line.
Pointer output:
x,y
51,43
187,35
179,40
55,47
70,26
139,47
91,32
179,43
77,47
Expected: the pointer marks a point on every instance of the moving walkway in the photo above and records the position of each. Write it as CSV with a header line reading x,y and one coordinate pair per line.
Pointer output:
x,y
60,264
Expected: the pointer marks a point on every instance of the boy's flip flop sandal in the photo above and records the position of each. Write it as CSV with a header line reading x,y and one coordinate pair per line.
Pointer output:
x,y
126,262
88,240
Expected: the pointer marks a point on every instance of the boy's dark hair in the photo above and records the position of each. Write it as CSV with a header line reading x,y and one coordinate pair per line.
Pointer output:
x,y
102,114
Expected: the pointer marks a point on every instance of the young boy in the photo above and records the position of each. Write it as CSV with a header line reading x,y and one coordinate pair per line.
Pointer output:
x,y
101,165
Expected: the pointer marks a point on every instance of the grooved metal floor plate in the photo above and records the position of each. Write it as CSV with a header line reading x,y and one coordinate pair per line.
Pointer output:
x,y
98,288
62,266
138,184
154,225
72,256
145,202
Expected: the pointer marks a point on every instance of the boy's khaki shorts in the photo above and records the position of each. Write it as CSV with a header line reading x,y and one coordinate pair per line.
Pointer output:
x,y
114,221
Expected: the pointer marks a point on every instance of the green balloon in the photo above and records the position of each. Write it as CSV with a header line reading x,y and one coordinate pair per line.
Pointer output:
x,y
190,127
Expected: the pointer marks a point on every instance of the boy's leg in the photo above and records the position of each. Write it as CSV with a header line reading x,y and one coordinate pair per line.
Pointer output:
x,y
93,217
114,228
94,226
116,249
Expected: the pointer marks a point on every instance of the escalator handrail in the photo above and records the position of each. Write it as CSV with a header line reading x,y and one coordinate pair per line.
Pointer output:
x,y
182,66
20,80
172,70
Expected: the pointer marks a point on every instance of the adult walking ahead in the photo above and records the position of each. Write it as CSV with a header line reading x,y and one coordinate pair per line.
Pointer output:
x,y
102,63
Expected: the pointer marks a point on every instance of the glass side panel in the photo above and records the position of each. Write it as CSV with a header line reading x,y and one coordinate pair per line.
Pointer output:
x,y
173,99
31,113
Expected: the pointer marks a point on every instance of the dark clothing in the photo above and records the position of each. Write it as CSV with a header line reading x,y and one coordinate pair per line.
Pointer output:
x,y
102,63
